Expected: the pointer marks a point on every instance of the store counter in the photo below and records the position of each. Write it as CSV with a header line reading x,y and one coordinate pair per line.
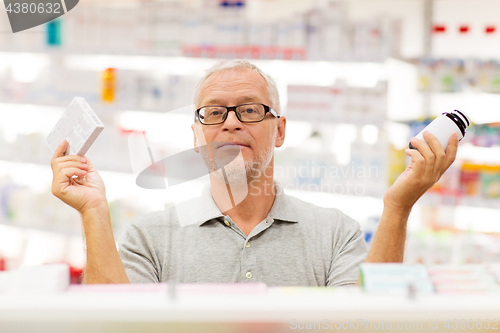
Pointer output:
x,y
242,308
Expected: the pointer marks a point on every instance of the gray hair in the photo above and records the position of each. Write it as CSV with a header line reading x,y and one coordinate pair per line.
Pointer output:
x,y
239,64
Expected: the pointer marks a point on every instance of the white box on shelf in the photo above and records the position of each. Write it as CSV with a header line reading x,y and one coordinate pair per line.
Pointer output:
x,y
36,279
79,125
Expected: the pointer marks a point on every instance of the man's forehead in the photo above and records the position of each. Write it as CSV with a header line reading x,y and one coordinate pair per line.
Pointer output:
x,y
240,99
236,72
248,86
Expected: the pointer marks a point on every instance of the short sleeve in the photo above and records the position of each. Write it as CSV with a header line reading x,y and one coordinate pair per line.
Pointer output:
x,y
349,253
138,256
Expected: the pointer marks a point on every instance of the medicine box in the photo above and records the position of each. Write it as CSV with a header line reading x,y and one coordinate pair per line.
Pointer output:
x,y
79,125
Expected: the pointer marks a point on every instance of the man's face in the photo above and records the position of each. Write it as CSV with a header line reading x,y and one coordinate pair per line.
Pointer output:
x,y
256,140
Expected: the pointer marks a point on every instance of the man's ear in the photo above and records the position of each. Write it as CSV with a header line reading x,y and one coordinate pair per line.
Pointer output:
x,y
195,139
280,133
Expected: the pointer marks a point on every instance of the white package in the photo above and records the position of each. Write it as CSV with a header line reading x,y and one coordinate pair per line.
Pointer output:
x,y
5,278
36,279
79,125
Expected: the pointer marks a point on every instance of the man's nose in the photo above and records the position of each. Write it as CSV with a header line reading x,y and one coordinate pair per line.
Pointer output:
x,y
232,122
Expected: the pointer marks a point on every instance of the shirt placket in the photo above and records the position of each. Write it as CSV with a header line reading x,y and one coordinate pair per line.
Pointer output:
x,y
248,262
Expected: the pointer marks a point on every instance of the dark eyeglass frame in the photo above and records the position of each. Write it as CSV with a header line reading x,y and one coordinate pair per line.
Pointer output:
x,y
267,110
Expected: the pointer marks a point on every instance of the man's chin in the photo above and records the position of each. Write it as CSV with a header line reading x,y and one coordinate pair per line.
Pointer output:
x,y
231,176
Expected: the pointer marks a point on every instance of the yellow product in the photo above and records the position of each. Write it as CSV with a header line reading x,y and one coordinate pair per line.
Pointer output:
x,y
108,85
489,181
469,179
397,163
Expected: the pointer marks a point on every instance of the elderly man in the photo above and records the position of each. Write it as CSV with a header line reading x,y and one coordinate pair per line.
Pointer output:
x,y
243,228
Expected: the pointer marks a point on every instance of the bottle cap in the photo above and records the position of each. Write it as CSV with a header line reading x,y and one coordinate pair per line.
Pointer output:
x,y
463,115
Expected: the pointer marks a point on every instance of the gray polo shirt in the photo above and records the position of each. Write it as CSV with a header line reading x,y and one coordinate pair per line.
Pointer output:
x,y
298,244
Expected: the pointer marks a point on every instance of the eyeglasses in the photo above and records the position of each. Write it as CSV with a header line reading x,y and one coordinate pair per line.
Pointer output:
x,y
246,113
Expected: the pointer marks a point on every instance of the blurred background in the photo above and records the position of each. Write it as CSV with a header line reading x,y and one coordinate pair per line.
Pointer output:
x,y
357,79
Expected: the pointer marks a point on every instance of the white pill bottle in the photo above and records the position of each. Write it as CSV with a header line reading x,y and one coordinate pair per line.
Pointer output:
x,y
444,126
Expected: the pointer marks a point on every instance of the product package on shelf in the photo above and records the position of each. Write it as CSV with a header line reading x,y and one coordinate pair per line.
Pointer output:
x,y
389,278
36,279
451,247
79,125
457,75
406,279
213,29
485,135
338,103
462,279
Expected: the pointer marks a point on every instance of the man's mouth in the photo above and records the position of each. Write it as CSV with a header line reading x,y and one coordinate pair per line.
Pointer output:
x,y
232,144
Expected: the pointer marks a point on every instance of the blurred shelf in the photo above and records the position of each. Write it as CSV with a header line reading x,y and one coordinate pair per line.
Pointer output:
x,y
313,72
60,107
434,199
204,53
481,107
493,203
132,308
46,163
486,155
44,228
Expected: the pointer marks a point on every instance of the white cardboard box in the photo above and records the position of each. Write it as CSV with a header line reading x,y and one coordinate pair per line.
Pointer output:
x,y
79,125
35,279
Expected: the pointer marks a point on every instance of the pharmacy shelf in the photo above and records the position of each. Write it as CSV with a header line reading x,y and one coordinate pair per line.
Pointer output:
x,y
307,72
249,307
104,109
120,57
43,227
480,107
435,199
155,54
125,170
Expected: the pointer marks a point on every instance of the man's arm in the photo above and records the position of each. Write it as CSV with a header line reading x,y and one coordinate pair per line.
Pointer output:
x,y
103,263
388,243
86,194
427,165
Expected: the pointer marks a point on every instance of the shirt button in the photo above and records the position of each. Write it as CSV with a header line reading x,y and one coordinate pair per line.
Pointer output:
x,y
247,244
226,223
248,275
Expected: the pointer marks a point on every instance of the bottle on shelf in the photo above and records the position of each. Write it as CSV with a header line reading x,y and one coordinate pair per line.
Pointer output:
x,y
108,85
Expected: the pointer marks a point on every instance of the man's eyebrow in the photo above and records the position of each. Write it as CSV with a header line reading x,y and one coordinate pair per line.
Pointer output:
x,y
245,99
212,102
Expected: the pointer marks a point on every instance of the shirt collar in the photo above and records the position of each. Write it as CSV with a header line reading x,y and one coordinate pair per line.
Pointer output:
x,y
198,210
203,208
282,208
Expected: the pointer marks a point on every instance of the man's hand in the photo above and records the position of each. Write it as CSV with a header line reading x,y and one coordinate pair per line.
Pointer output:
x,y
427,165
84,192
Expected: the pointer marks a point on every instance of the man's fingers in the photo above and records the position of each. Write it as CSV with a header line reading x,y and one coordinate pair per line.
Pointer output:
x,y
74,164
425,151
60,150
417,160
451,152
67,169
69,172
57,163
63,177
438,151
